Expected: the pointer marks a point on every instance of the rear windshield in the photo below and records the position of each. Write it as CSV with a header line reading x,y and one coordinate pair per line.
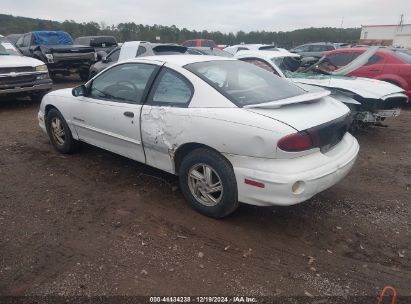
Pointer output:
x,y
169,49
52,38
244,83
403,57
7,48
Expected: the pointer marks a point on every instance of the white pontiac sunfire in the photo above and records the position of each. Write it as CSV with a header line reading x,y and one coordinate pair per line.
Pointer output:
x,y
231,131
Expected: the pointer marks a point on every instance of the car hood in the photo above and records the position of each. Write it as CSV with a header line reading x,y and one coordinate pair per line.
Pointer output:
x,y
11,61
364,87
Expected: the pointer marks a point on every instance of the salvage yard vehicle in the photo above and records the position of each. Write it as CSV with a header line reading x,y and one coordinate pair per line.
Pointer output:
x,y
20,75
386,64
231,131
132,49
56,49
371,101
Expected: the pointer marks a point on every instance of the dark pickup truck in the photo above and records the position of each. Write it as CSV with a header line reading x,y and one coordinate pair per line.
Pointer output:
x,y
99,43
57,50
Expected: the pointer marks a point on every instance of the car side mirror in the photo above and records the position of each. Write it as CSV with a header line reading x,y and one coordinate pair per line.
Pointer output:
x,y
79,91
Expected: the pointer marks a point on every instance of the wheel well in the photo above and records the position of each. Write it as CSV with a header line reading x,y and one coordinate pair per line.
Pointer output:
x,y
184,149
48,108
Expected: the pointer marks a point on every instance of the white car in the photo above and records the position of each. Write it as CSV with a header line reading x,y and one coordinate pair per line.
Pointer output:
x,y
231,131
371,101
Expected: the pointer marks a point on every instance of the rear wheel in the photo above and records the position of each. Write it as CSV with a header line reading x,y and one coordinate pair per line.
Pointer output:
x,y
59,132
208,182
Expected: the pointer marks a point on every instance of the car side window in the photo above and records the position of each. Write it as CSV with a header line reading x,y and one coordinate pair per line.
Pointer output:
x,y
303,48
114,55
26,40
373,60
19,42
141,50
241,48
341,59
122,83
260,63
171,89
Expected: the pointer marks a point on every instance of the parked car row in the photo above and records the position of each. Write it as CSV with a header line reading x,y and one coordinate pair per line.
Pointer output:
x,y
257,126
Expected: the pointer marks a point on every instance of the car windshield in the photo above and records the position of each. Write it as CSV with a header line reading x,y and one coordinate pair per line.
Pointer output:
x,y
244,83
52,38
287,64
403,56
7,48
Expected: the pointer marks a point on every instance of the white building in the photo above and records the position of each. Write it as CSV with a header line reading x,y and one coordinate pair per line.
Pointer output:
x,y
396,35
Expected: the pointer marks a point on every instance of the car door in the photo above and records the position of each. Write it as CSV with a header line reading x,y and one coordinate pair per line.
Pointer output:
x,y
164,118
373,67
109,116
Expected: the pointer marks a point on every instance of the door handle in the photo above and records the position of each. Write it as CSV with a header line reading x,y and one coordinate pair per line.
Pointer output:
x,y
128,114
375,70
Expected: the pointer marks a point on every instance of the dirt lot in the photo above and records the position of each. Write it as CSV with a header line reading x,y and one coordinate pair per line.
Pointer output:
x,y
95,223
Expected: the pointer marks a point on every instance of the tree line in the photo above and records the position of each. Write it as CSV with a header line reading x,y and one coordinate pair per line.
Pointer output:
x,y
131,31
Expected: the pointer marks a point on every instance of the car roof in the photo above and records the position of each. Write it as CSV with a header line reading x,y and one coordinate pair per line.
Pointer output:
x,y
180,60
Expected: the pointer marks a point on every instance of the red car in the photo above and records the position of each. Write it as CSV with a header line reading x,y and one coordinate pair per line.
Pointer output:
x,y
199,43
388,65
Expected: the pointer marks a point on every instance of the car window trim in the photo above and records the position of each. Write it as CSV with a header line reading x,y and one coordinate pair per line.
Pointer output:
x,y
157,81
146,91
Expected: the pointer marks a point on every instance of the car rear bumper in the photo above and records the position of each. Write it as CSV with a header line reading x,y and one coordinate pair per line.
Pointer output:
x,y
291,181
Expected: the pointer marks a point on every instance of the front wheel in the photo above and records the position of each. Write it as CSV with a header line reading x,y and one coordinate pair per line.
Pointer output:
x,y
59,132
208,182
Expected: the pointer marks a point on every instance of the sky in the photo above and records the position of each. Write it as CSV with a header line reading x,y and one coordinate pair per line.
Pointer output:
x,y
218,15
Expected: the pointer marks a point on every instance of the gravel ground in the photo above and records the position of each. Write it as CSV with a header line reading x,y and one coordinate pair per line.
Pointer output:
x,y
95,223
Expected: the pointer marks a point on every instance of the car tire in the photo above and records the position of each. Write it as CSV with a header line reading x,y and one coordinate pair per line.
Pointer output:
x,y
200,173
59,133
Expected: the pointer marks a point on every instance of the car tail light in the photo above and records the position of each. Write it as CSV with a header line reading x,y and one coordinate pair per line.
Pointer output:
x,y
299,141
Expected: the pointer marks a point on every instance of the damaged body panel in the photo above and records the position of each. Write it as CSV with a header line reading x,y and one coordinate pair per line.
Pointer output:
x,y
223,126
370,100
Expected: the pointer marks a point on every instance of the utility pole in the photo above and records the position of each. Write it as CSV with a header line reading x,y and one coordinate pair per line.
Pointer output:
x,y
342,22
